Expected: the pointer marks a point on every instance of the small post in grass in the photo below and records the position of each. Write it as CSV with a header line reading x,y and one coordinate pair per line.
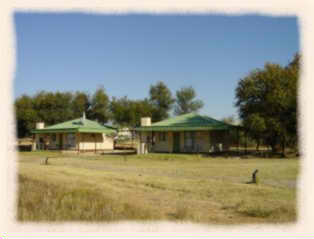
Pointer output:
x,y
254,177
44,161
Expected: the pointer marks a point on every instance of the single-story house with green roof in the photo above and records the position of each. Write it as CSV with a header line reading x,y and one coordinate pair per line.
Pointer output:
x,y
188,133
79,135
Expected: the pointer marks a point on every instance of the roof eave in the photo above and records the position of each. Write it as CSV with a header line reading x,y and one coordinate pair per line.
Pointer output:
x,y
42,131
106,131
74,130
171,128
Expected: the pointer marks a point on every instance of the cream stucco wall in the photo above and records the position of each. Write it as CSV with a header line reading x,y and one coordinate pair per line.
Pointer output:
x,y
202,142
81,141
42,141
205,141
144,145
163,146
87,141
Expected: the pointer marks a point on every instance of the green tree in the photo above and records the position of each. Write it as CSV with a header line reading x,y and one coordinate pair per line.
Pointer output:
x,y
120,111
256,126
80,103
292,74
186,102
48,107
25,115
99,109
142,108
162,100
126,112
266,100
63,106
53,108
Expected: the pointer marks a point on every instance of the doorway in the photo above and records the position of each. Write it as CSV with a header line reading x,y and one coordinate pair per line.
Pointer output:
x,y
176,142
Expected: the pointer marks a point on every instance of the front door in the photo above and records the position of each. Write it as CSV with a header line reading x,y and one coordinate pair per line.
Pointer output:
x,y
176,142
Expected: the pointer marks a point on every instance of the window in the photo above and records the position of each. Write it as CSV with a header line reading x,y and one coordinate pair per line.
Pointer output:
x,y
189,139
162,136
53,138
71,140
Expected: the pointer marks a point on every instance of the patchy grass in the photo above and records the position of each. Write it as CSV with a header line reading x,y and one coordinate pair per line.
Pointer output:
x,y
156,187
40,201
41,153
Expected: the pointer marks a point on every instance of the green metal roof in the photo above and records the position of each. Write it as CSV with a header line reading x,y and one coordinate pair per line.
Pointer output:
x,y
187,122
77,125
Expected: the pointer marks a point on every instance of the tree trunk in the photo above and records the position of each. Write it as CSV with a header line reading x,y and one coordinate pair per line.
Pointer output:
x,y
273,142
283,147
273,148
257,144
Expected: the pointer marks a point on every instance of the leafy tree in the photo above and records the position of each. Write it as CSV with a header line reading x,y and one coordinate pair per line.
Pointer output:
x,y
128,112
99,109
52,107
236,137
48,107
162,100
63,106
142,108
120,111
256,126
80,103
25,115
266,100
186,102
292,74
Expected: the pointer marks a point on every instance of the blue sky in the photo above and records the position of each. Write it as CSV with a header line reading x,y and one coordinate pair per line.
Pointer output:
x,y
128,53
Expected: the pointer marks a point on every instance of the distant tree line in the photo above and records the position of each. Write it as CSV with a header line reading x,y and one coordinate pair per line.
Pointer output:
x,y
56,107
266,100
267,103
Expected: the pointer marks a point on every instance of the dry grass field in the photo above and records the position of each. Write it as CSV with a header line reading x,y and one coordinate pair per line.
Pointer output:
x,y
172,187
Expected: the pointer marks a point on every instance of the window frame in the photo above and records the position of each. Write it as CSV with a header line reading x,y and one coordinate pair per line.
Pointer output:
x,y
71,140
162,136
189,139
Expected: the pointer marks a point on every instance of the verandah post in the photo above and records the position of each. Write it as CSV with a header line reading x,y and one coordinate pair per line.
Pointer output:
x,y
245,142
238,140
152,142
78,142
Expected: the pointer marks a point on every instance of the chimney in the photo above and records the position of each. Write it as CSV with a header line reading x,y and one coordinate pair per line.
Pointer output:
x,y
83,118
40,125
146,121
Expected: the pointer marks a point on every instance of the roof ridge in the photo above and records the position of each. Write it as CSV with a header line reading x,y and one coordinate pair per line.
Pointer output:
x,y
218,121
175,117
191,120
77,125
211,118
80,119
68,121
